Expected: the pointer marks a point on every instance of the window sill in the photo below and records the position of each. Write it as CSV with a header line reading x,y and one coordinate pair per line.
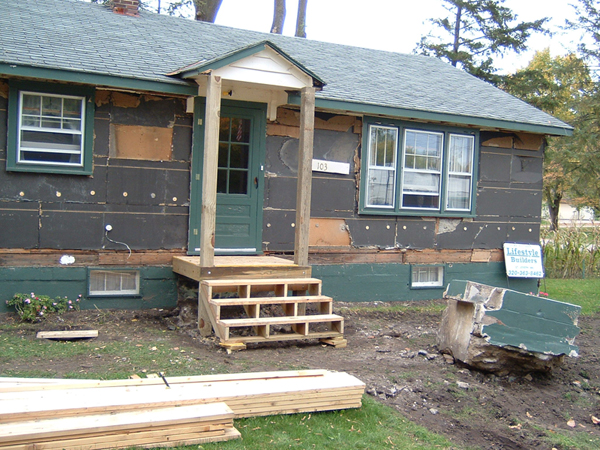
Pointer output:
x,y
35,168
413,213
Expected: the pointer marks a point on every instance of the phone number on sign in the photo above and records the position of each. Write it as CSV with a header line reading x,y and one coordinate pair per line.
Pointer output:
x,y
525,273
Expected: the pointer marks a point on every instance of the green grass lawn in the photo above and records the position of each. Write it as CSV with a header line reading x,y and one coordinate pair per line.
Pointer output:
x,y
373,427
585,293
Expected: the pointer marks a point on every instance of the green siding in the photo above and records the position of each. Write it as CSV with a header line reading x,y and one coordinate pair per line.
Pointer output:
x,y
391,282
158,286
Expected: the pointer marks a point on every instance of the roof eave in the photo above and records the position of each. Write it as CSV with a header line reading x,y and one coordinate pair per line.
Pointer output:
x,y
177,87
480,122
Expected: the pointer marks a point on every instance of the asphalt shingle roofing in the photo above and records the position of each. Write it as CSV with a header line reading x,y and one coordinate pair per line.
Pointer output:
x,y
80,37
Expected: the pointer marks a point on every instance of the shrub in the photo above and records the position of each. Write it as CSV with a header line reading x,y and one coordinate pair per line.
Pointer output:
x,y
35,308
572,252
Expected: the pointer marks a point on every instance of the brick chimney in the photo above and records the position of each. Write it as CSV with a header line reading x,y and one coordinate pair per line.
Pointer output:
x,y
126,7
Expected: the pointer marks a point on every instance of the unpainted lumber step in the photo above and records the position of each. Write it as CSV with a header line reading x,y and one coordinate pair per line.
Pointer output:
x,y
260,281
271,300
284,320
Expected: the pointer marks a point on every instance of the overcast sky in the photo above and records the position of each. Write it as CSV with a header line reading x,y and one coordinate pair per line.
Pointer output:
x,y
394,25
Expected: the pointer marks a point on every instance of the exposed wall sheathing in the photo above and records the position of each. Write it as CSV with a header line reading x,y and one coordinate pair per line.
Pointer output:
x,y
508,192
143,196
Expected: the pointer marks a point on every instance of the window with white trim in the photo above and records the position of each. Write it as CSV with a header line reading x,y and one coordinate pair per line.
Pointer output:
x,y
114,282
51,131
381,183
427,276
418,170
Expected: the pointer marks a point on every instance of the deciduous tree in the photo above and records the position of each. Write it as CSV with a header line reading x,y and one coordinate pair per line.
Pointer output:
x,y
278,16
475,32
562,87
204,10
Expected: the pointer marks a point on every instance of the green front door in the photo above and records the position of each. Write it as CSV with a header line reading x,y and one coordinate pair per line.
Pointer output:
x,y
242,134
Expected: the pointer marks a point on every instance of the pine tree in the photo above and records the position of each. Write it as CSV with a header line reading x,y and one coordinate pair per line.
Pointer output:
x,y
475,32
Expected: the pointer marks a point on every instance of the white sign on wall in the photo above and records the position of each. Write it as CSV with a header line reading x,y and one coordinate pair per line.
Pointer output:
x,y
523,260
320,165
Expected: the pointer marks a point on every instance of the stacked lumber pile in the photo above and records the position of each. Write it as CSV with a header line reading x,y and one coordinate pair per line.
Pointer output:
x,y
165,427
155,412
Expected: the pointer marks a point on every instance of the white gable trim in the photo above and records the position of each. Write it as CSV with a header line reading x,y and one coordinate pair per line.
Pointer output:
x,y
268,68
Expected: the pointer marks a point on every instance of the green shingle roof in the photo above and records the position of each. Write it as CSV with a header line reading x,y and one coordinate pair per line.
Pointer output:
x,y
46,37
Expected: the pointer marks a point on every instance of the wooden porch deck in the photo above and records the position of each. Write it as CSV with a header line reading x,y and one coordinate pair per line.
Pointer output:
x,y
250,267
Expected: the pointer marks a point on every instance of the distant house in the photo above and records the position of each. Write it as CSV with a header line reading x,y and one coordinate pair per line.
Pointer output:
x,y
119,128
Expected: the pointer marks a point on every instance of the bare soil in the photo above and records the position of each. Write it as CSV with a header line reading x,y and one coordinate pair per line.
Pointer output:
x,y
394,353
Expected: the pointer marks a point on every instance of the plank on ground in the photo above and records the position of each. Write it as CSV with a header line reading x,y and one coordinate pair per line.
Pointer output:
x,y
131,420
228,434
69,334
130,438
19,405
63,383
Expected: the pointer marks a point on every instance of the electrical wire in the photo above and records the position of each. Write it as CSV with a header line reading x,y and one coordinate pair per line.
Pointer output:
x,y
117,242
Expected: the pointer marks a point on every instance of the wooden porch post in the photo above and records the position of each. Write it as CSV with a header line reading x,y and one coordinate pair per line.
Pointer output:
x,y
305,155
209,171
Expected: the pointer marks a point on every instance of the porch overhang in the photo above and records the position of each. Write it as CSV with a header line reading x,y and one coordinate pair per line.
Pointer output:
x,y
259,73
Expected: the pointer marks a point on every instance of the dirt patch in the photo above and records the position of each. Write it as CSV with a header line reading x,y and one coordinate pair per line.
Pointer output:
x,y
394,353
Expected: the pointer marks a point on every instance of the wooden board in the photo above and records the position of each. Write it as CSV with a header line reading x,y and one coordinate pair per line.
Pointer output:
x,y
140,440
239,266
29,431
53,384
66,335
295,393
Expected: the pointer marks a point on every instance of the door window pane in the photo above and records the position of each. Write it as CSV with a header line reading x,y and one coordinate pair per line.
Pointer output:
x,y
234,156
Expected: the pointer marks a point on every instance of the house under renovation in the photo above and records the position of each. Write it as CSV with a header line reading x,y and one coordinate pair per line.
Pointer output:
x,y
139,150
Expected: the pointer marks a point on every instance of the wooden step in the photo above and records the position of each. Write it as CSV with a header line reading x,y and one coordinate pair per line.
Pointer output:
x,y
236,301
291,294
291,306
284,320
300,327
281,287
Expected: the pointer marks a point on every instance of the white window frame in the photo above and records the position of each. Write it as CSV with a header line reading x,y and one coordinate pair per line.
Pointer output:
x,y
428,172
462,174
371,168
114,292
51,149
442,180
426,271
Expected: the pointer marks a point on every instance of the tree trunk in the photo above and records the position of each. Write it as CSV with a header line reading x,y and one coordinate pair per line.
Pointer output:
x,y
301,21
553,209
456,43
278,17
206,10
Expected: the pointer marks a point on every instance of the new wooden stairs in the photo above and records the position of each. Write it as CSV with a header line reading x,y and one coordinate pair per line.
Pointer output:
x,y
273,309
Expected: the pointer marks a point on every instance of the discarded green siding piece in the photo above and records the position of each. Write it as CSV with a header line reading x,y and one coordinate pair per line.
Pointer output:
x,y
502,336
534,324
499,330
541,307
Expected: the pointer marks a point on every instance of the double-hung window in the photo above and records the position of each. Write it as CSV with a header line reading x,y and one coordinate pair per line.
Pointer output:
x,y
418,170
50,128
